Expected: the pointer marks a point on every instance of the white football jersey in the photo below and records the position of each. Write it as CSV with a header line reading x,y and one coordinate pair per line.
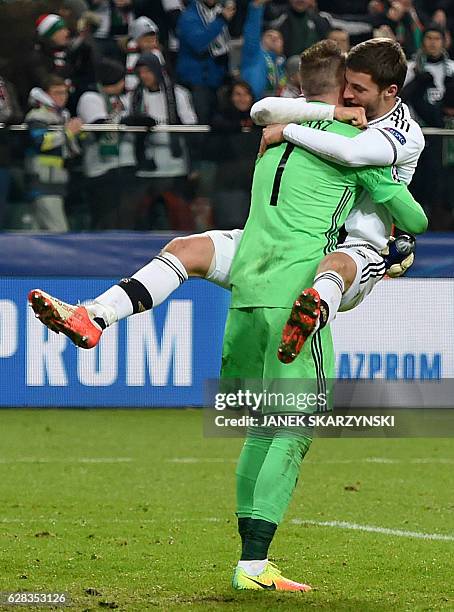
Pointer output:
x,y
368,222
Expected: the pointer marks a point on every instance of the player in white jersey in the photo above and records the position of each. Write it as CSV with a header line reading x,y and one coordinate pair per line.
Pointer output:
x,y
354,269
375,72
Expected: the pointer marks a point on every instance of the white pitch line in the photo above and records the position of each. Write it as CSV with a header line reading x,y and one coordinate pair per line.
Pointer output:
x,y
213,519
5,460
379,460
374,529
82,522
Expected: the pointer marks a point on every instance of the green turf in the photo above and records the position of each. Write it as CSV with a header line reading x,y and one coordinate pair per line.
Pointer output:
x,y
157,530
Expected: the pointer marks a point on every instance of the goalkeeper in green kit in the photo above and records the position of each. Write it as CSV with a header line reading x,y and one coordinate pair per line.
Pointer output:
x,y
299,203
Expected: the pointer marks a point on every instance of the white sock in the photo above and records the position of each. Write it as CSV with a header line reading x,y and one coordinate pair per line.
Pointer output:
x,y
158,279
162,276
330,287
253,568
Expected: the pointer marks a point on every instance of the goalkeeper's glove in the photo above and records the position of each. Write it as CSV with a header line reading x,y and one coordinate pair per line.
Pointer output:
x,y
399,255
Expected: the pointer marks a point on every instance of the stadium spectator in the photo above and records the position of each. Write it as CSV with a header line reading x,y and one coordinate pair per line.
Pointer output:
x,y
428,76
341,37
83,56
48,152
108,157
345,7
202,63
50,53
376,7
115,17
301,26
165,14
448,154
143,38
263,64
235,153
407,24
163,162
384,31
71,11
445,19
292,69
10,113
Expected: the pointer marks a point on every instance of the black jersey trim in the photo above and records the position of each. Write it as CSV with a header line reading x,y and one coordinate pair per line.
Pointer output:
x,y
317,356
391,142
331,233
396,108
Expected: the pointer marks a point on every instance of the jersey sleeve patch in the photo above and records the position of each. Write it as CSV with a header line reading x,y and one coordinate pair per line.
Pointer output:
x,y
397,135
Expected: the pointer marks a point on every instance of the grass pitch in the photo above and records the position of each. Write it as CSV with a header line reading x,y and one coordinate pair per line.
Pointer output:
x,y
134,510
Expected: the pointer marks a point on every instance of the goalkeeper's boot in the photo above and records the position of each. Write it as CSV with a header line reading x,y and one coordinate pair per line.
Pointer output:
x,y
302,322
73,321
270,579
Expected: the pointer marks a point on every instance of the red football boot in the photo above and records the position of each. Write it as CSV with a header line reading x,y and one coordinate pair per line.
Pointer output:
x,y
300,325
73,321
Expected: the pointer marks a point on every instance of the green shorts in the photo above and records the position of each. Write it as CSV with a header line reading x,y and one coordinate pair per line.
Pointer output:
x,y
251,340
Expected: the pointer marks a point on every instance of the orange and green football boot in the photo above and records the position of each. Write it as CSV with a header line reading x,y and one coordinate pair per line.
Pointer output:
x,y
270,579
301,323
73,321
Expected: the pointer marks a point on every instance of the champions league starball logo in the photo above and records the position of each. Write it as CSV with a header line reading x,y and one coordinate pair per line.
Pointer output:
x,y
405,244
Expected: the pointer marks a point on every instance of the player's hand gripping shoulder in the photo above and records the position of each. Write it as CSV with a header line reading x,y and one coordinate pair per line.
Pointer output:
x,y
356,115
271,135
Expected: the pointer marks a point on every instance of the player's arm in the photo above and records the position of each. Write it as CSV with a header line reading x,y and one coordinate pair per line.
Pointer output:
x,y
407,213
273,110
287,110
384,189
374,147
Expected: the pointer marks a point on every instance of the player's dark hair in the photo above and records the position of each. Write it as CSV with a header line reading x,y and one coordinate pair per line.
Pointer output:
x,y
322,68
382,58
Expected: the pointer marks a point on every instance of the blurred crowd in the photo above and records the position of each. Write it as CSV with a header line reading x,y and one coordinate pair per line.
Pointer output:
x,y
183,62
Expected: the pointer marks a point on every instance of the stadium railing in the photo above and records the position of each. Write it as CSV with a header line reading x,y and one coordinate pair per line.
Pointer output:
x,y
214,192
163,357
207,184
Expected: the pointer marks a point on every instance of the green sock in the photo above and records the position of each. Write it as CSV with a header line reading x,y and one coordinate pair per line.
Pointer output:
x,y
278,477
248,468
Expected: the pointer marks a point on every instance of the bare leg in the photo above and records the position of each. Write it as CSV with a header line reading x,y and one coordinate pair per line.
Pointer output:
x,y
196,253
340,263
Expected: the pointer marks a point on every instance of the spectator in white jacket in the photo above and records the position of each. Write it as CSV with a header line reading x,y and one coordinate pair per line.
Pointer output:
x,y
143,38
108,160
163,160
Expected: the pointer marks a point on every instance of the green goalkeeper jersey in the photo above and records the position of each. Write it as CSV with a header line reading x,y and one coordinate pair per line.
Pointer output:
x,y
299,202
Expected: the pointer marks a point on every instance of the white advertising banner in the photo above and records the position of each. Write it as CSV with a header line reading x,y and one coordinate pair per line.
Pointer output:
x,y
404,330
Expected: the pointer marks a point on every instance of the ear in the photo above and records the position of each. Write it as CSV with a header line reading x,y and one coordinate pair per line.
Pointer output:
x,y
391,91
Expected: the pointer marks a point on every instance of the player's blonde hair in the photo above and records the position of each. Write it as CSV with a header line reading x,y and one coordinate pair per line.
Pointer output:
x,y
322,68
